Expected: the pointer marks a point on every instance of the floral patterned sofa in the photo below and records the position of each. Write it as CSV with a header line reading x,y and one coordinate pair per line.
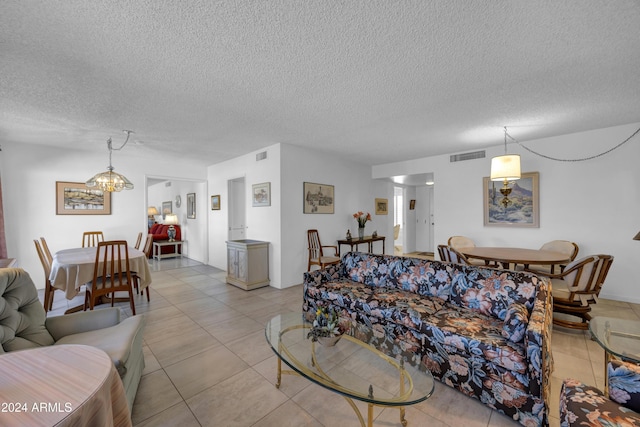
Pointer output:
x,y
483,331
583,405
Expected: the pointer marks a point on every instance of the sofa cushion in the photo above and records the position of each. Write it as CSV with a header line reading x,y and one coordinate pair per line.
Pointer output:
x,y
424,277
515,323
490,291
457,331
391,304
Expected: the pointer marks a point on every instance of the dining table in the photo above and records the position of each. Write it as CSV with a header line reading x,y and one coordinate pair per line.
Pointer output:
x,y
72,268
508,256
62,385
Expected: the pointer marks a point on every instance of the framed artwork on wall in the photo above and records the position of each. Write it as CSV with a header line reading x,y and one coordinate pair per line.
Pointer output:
x,y
412,204
75,198
382,206
261,194
167,208
318,198
524,207
191,205
215,202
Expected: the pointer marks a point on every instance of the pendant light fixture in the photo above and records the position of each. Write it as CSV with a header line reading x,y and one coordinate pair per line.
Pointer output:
x,y
110,180
505,168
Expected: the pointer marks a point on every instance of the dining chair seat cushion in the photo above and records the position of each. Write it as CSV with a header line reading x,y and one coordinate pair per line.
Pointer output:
x,y
328,260
561,293
515,322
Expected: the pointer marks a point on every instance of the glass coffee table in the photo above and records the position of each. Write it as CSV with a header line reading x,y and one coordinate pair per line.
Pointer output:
x,y
351,368
618,337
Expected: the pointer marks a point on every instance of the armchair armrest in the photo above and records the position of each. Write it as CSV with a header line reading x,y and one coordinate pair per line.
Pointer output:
x,y
538,341
75,323
335,249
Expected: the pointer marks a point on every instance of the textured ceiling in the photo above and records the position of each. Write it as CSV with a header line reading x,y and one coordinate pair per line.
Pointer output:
x,y
378,81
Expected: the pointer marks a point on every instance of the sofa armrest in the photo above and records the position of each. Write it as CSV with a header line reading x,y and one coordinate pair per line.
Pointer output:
x,y
75,323
538,340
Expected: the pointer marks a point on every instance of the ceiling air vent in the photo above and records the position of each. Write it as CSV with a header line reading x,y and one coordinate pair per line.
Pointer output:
x,y
466,156
167,184
261,156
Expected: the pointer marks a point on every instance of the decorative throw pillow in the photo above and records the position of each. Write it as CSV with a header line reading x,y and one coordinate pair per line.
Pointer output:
x,y
515,322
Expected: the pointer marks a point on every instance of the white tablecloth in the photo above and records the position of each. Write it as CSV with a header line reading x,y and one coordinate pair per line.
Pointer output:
x,y
66,385
72,268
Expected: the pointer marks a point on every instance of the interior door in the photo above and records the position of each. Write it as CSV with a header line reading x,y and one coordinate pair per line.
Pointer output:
x,y
237,210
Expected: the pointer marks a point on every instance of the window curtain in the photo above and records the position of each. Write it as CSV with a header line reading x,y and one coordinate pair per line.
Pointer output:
x,y
3,239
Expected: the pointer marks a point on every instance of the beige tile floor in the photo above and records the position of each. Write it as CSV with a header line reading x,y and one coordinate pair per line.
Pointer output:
x,y
208,364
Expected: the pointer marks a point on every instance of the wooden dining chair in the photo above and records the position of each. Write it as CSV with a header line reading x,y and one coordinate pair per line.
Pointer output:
x,y
92,238
316,253
458,242
46,250
139,240
577,288
562,246
450,254
147,252
111,274
49,290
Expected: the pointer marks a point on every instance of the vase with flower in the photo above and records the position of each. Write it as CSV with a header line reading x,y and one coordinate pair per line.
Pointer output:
x,y
362,219
326,328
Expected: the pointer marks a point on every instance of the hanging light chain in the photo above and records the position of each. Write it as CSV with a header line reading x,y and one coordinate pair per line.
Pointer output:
x,y
569,160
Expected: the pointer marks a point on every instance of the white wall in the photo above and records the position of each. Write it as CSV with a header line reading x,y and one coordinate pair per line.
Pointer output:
x,y
263,223
29,175
354,191
595,203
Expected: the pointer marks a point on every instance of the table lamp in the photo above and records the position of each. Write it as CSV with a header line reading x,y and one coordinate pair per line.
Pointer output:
x,y
171,220
152,211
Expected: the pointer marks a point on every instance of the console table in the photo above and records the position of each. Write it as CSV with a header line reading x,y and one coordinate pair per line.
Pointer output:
x,y
157,251
366,239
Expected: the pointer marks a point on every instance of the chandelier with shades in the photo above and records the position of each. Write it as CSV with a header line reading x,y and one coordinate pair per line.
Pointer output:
x,y
110,180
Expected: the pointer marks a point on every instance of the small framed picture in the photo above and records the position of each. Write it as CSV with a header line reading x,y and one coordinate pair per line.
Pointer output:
x,y
412,204
382,206
191,205
215,202
261,194
318,198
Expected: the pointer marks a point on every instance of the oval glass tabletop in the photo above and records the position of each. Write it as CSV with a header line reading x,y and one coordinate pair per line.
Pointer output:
x,y
620,337
352,367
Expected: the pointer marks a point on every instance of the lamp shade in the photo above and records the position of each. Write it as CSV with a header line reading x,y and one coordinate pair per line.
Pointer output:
x,y
505,167
109,181
152,211
171,219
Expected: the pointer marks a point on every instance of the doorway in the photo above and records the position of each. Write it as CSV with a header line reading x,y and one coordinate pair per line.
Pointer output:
x,y
237,209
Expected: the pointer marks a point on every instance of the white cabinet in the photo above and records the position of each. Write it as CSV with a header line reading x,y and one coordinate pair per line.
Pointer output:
x,y
248,263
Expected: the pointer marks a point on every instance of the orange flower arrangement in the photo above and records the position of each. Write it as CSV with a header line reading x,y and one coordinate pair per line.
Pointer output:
x,y
362,218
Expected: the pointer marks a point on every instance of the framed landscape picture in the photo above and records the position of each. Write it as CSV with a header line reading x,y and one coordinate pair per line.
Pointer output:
x,y
75,198
524,208
318,198
261,194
